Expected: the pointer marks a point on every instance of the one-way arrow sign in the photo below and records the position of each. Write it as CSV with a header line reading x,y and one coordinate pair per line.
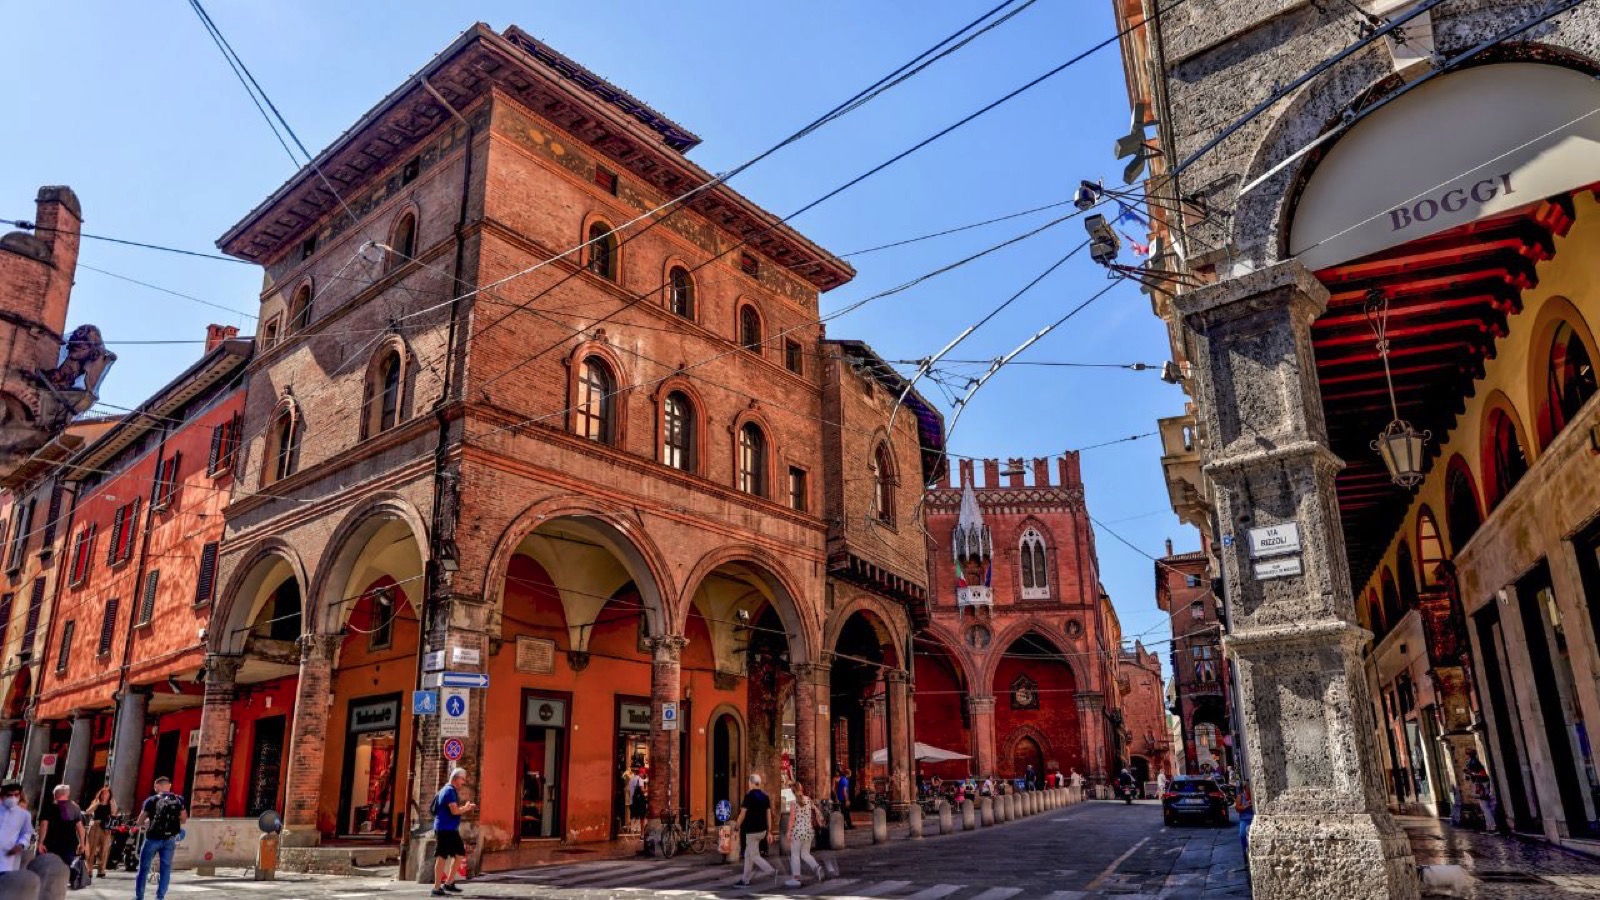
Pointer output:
x,y
463,679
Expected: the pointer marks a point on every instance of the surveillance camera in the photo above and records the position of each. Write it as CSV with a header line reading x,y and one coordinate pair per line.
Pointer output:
x,y
1171,373
1103,241
1088,195
743,616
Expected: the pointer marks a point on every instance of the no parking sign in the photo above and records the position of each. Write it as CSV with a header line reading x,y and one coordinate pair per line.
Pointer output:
x,y
453,748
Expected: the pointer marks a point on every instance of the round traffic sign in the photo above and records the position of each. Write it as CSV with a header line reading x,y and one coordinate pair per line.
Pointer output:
x,y
453,748
456,706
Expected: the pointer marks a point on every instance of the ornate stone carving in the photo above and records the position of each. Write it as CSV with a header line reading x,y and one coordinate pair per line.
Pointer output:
x,y
578,660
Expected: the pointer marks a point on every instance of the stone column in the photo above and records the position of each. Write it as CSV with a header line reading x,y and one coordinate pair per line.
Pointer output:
x,y
901,749
127,746
8,735
77,764
1321,827
982,709
811,729
308,744
1092,727
208,795
34,748
666,651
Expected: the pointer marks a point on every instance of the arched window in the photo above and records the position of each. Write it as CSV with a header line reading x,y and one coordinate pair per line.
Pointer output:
x,y
677,431
883,483
592,415
749,328
1035,565
603,251
1393,610
1462,514
752,460
403,245
1406,574
1571,381
1504,460
1375,615
300,309
680,292
1430,547
389,391
282,447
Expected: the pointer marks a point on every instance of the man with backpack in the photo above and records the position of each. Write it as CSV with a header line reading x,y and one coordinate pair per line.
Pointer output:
x,y
162,818
448,808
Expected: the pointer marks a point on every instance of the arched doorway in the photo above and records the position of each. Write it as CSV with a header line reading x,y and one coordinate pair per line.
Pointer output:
x,y
1141,770
725,756
1035,693
859,700
1027,756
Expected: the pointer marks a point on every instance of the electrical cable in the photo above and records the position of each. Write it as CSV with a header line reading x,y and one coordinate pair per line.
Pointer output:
x,y
31,226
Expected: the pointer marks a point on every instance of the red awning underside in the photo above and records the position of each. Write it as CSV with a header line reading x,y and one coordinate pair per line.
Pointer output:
x,y
1450,296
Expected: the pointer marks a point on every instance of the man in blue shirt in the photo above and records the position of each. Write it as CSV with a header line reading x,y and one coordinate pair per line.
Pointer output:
x,y
448,808
841,796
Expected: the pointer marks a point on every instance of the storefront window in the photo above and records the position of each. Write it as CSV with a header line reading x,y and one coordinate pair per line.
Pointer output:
x,y
542,757
369,767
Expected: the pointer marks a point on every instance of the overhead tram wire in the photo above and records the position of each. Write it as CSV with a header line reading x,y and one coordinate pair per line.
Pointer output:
x,y
164,290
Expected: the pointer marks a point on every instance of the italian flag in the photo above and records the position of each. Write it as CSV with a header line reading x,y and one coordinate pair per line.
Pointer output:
x,y
961,577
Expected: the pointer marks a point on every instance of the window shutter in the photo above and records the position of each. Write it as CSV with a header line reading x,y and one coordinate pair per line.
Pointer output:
x,y
147,609
115,544
55,513
208,573
66,644
108,627
35,607
217,435
129,521
6,602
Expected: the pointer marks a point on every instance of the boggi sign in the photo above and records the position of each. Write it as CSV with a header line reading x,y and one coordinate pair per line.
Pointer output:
x,y
1451,201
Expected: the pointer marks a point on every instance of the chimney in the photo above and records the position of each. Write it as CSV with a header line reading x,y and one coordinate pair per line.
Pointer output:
x,y
216,334
58,220
1169,546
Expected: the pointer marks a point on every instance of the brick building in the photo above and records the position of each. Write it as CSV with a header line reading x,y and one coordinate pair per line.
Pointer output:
x,y
50,377
1017,661
629,485
1199,672
1144,713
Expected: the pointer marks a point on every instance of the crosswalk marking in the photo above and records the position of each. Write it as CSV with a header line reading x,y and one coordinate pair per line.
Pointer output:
x,y
1067,895
697,876
881,888
936,892
996,893
825,888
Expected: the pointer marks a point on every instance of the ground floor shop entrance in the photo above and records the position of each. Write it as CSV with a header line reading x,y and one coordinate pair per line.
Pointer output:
x,y
372,744
542,761
632,756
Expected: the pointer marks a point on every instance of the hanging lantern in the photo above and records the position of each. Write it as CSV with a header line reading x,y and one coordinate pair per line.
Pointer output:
x,y
1401,446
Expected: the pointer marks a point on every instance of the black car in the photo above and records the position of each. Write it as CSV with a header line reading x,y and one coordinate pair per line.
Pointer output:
x,y
1194,798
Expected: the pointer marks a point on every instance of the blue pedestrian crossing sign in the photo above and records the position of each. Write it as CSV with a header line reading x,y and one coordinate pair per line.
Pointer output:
x,y
424,703
455,706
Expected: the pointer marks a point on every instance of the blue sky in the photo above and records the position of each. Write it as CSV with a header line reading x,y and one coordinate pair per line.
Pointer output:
x,y
132,106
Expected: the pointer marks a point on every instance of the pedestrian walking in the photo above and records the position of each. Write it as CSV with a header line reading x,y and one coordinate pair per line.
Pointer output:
x,y
841,796
162,817
988,787
1244,804
755,821
804,819
61,828
1161,784
100,813
638,799
16,827
448,808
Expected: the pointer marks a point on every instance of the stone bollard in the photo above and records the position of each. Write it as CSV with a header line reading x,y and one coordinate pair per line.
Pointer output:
x,y
783,833
52,874
1007,804
914,820
21,885
1035,803
969,820
945,825
835,830
1000,808
986,811
880,825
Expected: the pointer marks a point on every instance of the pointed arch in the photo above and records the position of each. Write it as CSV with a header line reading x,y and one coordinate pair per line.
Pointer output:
x,y
1034,570
1431,550
1463,511
1505,449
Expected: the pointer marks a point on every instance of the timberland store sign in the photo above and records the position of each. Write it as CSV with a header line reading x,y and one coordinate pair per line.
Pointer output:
x,y
1465,146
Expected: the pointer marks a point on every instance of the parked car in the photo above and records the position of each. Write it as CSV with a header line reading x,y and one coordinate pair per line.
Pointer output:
x,y
1194,798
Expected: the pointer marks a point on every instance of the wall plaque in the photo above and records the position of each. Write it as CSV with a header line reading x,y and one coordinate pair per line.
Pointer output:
x,y
535,656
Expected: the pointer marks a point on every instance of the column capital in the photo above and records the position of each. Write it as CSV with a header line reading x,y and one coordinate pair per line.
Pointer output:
x,y
812,673
668,648
980,704
1090,702
222,668
318,646
1287,283
896,676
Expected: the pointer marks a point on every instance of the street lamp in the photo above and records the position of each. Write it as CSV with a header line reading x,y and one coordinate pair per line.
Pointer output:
x,y
1399,444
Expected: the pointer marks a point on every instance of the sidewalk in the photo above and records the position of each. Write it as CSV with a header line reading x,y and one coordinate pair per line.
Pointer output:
x,y
1502,868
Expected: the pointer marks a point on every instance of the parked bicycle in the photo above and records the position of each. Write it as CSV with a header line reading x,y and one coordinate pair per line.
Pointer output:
x,y
681,834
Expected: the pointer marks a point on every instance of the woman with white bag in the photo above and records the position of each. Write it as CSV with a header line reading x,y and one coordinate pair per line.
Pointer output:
x,y
804,818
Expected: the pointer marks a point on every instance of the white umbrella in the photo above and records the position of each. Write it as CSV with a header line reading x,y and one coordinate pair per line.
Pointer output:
x,y
925,753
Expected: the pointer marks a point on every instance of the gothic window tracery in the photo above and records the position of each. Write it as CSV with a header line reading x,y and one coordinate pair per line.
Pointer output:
x,y
1034,562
